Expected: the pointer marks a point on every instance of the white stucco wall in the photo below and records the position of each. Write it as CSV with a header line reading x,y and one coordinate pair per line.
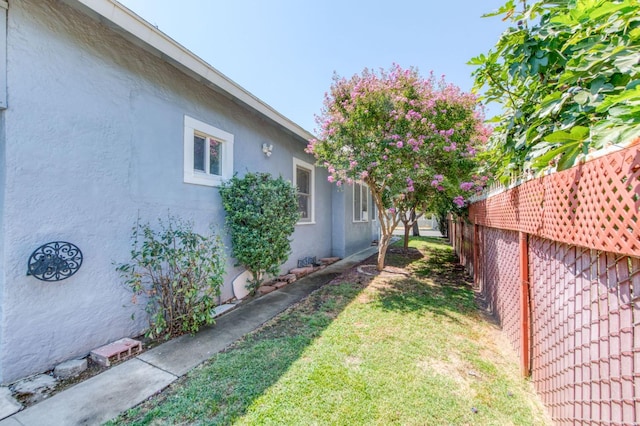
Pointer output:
x,y
94,139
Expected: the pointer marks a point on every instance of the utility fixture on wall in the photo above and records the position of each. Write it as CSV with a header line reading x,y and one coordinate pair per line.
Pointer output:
x,y
267,148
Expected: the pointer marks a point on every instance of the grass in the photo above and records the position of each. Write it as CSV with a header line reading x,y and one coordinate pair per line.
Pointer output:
x,y
406,347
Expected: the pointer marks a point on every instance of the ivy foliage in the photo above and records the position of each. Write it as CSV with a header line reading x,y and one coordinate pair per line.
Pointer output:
x,y
567,75
178,271
261,215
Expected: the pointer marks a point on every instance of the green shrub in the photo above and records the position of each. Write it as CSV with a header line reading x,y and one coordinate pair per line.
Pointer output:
x,y
261,215
179,272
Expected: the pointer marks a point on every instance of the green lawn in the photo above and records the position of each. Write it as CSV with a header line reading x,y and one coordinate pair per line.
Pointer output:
x,y
404,348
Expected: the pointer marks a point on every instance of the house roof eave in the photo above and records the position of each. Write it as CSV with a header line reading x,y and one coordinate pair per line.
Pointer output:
x,y
143,34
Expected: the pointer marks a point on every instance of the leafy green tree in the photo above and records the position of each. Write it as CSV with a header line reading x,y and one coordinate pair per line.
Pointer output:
x,y
394,131
261,215
567,75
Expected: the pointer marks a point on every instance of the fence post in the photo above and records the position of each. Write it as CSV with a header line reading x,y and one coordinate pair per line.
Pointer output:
x,y
476,256
525,359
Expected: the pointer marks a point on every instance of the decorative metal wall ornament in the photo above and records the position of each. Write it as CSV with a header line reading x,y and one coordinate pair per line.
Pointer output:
x,y
54,261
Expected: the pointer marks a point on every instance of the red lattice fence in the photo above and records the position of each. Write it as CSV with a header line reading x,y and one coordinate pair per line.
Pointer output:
x,y
557,260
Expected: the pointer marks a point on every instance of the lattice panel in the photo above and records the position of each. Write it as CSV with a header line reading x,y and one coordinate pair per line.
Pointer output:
x,y
594,205
585,333
500,279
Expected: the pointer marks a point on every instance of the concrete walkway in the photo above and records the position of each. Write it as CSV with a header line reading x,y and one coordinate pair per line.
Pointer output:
x,y
106,395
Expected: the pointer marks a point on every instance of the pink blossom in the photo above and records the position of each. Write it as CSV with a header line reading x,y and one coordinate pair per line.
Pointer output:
x,y
466,186
439,177
459,201
440,188
364,174
339,183
330,179
392,210
399,144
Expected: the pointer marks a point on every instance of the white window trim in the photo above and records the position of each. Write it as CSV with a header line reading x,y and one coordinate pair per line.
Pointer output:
x,y
364,189
312,185
193,126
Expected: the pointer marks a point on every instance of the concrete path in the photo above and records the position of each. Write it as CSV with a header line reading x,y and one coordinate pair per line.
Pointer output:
x,y
424,232
106,395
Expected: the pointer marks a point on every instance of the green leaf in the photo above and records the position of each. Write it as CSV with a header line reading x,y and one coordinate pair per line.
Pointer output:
x,y
508,7
627,63
577,133
626,96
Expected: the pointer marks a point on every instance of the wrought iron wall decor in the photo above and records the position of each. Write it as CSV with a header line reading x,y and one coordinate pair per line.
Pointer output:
x,y
307,261
54,261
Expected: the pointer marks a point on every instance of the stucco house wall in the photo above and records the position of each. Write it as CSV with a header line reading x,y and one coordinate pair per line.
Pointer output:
x,y
349,236
91,141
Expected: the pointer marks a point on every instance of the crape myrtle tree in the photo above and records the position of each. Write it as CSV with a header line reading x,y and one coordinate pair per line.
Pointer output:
x,y
395,130
437,193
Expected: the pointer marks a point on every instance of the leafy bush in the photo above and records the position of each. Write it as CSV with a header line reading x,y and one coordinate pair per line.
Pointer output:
x,y
261,214
180,273
567,75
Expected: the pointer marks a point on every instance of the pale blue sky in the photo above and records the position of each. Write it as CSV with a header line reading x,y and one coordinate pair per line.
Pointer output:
x,y
285,51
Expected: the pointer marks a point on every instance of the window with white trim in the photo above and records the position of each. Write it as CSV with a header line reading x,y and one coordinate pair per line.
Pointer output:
x,y
360,202
208,153
303,180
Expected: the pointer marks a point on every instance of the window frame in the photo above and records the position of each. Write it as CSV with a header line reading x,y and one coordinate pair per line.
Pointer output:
x,y
192,128
364,190
298,163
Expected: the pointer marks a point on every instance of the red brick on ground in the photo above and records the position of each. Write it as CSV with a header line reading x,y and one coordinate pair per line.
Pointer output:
x,y
264,289
116,351
301,272
289,278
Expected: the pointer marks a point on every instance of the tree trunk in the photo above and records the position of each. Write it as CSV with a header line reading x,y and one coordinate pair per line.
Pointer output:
x,y
416,228
407,228
382,250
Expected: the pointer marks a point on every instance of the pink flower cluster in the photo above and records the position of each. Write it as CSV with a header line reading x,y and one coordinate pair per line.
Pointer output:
x,y
437,182
410,187
467,186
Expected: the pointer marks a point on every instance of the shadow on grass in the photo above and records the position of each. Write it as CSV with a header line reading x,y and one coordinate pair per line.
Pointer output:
x,y
221,390
437,285
224,388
